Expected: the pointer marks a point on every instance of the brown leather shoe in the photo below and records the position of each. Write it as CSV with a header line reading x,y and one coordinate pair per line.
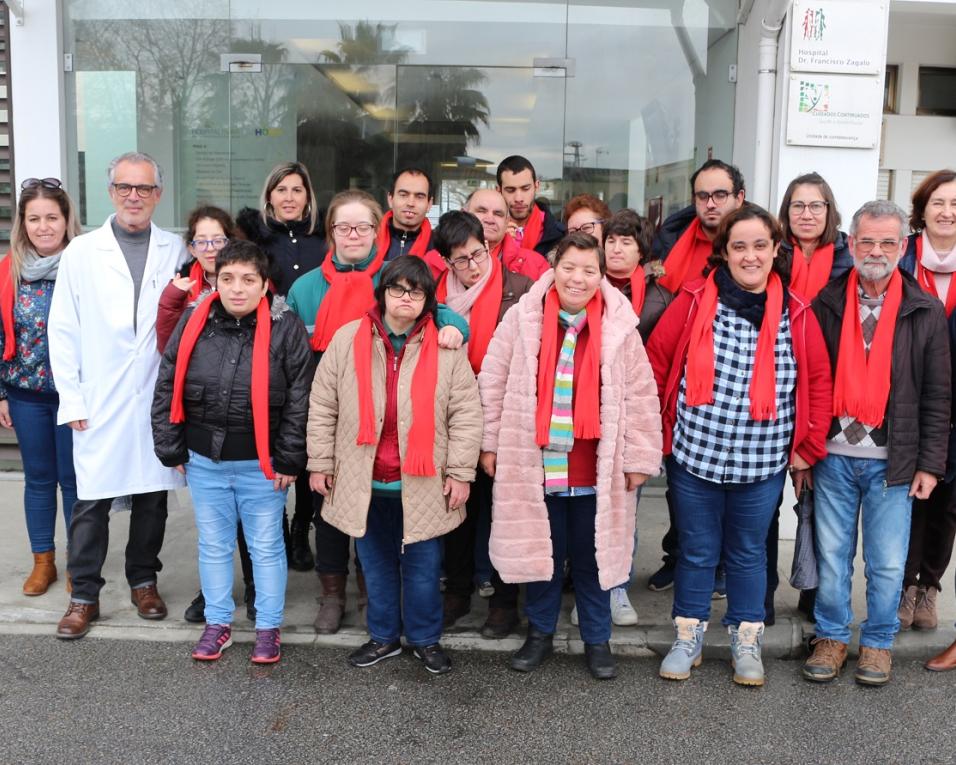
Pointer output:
x,y
907,606
455,607
149,604
43,574
924,616
331,604
874,665
826,661
76,621
943,662
500,623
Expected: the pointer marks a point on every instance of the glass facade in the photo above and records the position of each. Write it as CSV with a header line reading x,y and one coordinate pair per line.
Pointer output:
x,y
618,98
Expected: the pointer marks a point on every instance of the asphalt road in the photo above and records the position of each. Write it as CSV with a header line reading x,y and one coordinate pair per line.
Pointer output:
x,y
108,701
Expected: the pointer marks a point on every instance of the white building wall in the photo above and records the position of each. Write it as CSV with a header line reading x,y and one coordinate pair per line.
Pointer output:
x,y
36,69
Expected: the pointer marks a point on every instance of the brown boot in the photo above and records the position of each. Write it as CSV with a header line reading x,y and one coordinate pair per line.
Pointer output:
x,y
873,666
943,662
826,661
455,607
331,604
907,607
362,592
43,574
500,623
76,621
924,616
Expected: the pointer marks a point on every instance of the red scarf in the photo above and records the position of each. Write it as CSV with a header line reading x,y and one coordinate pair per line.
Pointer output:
x,y
484,313
861,386
926,280
700,354
7,299
260,373
198,275
638,290
350,295
687,257
421,242
419,456
533,229
587,377
807,279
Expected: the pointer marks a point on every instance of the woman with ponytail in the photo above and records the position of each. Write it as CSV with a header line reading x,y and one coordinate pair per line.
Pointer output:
x,y
572,429
339,291
229,412
744,380
44,223
393,436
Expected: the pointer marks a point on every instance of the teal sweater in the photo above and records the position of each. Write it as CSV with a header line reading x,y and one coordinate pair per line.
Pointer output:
x,y
310,289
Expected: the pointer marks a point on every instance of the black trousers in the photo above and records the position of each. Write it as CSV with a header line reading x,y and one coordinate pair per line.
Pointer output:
x,y
932,530
332,547
90,538
460,549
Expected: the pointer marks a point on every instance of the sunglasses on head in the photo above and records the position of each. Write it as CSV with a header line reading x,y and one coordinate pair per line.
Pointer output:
x,y
47,183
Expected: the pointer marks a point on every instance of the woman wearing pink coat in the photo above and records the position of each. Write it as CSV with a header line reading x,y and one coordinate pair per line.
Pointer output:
x,y
572,429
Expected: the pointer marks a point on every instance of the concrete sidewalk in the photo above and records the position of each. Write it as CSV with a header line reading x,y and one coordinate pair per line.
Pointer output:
x,y
179,583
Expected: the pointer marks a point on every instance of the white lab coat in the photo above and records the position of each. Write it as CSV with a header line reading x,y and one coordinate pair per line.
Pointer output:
x,y
103,368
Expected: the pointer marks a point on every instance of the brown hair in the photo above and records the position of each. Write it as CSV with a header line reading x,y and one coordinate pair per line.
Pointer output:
x,y
628,222
580,241
832,227
279,172
748,211
211,212
347,197
20,242
922,194
587,202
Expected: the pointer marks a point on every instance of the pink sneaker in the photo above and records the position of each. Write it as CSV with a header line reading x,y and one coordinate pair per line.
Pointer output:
x,y
215,639
267,647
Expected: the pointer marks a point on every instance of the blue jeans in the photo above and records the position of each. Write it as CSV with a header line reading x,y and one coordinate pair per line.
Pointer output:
x,y
403,584
47,452
572,537
842,486
223,494
721,522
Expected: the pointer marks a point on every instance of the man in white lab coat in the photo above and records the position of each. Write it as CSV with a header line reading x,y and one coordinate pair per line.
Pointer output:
x,y
102,330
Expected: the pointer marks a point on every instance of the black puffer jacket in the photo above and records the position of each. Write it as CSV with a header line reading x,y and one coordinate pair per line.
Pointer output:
x,y
292,248
670,231
842,259
217,397
917,414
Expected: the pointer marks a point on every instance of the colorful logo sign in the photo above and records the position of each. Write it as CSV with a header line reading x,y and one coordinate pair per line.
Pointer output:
x,y
814,24
814,97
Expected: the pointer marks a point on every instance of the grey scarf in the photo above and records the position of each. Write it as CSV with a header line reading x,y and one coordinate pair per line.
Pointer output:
x,y
33,268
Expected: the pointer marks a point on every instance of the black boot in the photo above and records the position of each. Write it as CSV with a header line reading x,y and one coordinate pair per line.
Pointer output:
x,y
195,611
537,647
249,598
300,554
600,661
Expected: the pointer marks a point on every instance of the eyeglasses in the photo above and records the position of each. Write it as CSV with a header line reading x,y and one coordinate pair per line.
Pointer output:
x,y
817,208
587,228
47,183
866,246
720,196
344,229
464,263
143,190
398,291
202,245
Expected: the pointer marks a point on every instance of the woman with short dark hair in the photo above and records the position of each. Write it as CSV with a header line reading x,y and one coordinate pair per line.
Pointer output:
x,y
393,436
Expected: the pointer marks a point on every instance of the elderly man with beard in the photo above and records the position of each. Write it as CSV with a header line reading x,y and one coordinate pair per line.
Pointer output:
x,y
889,349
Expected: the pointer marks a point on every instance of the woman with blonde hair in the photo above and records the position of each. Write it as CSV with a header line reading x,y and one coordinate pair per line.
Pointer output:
x,y
45,221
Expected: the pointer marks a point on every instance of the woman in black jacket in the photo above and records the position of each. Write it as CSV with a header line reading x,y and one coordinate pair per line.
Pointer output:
x,y
229,411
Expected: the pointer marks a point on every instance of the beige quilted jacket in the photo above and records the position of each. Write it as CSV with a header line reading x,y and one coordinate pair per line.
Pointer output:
x,y
333,428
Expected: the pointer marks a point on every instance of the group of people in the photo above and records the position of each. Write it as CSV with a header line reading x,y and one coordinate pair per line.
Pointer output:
x,y
500,385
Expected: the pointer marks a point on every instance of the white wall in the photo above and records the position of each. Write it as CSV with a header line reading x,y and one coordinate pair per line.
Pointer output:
x,y
36,69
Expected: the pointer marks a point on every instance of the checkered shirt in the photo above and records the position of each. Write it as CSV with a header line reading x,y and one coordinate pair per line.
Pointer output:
x,y
720,442
846,431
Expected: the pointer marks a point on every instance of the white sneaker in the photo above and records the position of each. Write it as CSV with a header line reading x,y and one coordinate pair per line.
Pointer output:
x,y
622,612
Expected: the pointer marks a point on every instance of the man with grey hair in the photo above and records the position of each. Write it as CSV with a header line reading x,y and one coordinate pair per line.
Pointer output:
x,y
889,350
102,331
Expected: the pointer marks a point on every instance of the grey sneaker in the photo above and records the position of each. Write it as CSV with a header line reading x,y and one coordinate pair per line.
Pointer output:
x,y
745,653
685,653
